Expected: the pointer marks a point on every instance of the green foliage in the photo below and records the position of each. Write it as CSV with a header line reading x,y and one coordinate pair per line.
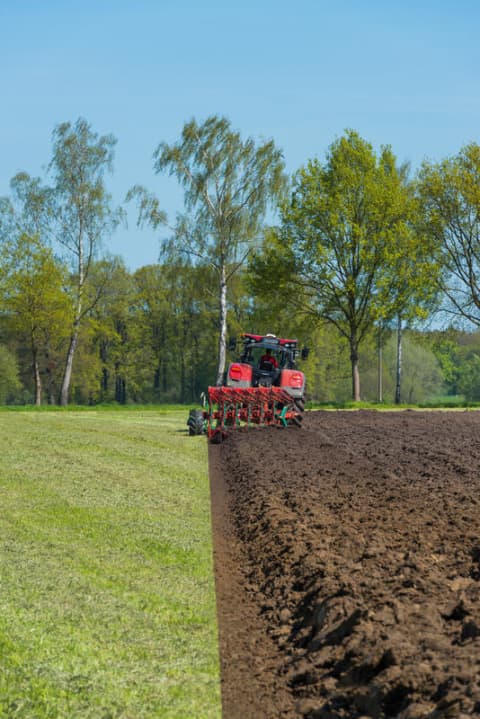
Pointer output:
x,y
465,354
106,331
447,348
422,376
450,198
469,381
38,311
344,250
327,368
30,207
9,378
173,326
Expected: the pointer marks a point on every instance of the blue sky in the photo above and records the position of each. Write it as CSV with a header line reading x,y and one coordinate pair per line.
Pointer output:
x,y
403,74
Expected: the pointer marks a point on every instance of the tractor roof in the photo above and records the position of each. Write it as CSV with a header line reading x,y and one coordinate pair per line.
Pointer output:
x,y
268,340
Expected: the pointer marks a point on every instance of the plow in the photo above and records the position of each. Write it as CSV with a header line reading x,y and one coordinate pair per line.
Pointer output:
x,y
263,389
263,406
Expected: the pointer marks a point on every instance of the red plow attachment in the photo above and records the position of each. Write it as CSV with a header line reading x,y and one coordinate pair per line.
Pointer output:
x,y
230,407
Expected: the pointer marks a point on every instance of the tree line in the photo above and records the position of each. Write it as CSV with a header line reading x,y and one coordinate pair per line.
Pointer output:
x,y
363,253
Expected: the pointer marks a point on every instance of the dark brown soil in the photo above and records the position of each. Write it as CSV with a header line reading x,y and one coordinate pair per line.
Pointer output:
x,y
347,562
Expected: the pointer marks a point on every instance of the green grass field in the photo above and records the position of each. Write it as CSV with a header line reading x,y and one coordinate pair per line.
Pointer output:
x,y
107,605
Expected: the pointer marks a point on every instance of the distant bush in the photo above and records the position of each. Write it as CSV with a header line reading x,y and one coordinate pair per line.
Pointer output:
x,y
469,382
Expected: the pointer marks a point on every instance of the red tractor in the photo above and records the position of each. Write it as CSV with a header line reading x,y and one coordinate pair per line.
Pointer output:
x,y
263,388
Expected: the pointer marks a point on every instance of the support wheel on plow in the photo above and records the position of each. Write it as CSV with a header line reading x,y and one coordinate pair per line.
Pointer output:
x,y
300,404
297,417
196,422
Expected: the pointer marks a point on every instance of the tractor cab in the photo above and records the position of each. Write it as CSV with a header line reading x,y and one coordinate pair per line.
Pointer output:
x,y
265,361
268,356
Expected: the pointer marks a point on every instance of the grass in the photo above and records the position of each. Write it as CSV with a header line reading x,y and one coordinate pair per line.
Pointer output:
x,y
107,606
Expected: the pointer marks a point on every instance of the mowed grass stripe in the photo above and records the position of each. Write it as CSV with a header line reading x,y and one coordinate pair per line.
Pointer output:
x,y
107,604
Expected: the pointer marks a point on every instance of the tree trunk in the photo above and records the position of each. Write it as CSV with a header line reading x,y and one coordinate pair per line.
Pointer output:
x,y
183,364
194,391
120,389
49,382
222,343
380,366
355,371
67,375
164,377
103,352
182,378
398,384
38,380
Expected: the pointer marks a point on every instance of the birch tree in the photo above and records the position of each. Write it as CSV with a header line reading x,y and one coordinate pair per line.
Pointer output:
x,y
82,215
229,184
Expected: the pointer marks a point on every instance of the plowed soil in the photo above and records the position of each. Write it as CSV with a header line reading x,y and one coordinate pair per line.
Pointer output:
x,y
347,563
